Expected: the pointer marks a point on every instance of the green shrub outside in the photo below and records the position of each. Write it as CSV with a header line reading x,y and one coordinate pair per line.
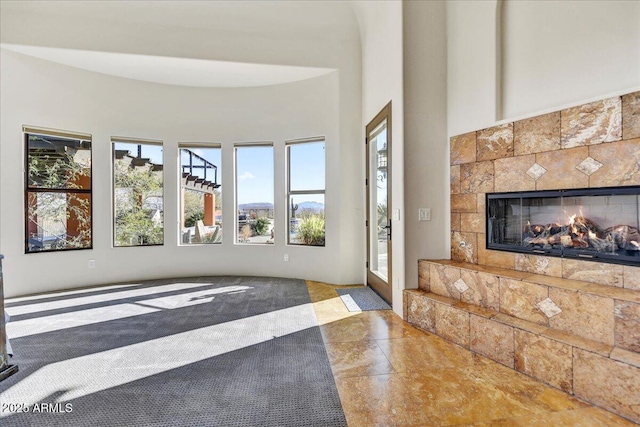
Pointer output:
x,y
260,226
311,230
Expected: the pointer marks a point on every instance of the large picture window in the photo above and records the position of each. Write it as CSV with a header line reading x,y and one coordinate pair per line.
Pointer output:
x,y
137,192
57,191
306,192
201,194
254,193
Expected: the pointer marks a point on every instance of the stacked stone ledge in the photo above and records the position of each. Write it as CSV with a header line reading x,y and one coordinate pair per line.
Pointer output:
x,y
580,337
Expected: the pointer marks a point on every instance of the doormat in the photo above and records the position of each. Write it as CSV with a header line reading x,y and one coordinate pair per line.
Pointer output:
x,y
362,299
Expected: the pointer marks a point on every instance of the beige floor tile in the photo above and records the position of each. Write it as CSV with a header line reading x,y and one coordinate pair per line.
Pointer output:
x,y
357,358
389,373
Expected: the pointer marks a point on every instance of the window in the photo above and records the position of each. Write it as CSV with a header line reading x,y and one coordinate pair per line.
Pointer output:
x,y
305,192
57,191
254,193
137,192
201,196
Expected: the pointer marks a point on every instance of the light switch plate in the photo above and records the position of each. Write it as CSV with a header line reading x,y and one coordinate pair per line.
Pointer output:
x,y
424,214
396,214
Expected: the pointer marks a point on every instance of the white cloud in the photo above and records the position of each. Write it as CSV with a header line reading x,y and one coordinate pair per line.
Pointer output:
x,y
246,175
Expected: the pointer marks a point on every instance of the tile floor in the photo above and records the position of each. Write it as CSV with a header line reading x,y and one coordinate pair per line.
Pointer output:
x,y
389,373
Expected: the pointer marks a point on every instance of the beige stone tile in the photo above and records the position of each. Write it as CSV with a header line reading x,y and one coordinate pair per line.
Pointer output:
x,y
454,398
492,339
442,278
627,325
484,289
558,282
464,247
423,274
612,292
525,325
463,148
495,142
537,264
631,277
331,310
620,164
631,115
584,315
381,400
472,222
625,356
474,309
463,203
578,342
561,169
454,179
477,177
345,330
607,383
456,221
357,358
511,174
421,312
537,134
425,353
405,310
498,259
594,272
544,359
482,199
519,299
452,324
443,300
587,417
386,324
592,123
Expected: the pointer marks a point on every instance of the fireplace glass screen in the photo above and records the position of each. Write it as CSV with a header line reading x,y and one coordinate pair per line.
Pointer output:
x,y
599,224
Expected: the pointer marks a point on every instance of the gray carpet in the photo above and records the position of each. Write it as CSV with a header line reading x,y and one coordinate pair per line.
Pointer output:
x,y
209,351
362,299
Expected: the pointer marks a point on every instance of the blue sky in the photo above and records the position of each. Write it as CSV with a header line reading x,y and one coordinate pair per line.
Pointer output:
x,y
254,174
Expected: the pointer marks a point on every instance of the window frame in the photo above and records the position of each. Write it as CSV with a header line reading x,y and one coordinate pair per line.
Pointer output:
x,y
46,132
136,141
236,220
187,146
290,192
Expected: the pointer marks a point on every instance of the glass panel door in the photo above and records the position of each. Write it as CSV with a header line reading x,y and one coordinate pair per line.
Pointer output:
x,y
378,196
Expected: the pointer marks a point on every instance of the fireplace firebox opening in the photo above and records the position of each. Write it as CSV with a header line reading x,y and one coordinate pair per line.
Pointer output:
x,y
599,224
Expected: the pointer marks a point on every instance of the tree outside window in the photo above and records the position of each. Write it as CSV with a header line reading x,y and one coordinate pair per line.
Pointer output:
x,y
57,191
138,193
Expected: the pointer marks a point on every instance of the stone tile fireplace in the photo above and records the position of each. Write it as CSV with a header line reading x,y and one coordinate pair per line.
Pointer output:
x,y
544,275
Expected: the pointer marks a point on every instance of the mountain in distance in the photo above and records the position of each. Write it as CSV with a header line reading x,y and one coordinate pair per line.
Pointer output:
x,y
311,206
258,205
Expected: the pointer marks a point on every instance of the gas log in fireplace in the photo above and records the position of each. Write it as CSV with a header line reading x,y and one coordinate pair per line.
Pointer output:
x,y
599,224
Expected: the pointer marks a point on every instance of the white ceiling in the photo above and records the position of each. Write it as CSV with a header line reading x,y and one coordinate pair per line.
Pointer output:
x,y
334,19
309,20
173,71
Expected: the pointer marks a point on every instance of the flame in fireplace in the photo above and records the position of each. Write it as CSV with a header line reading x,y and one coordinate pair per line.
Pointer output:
x,y
582,233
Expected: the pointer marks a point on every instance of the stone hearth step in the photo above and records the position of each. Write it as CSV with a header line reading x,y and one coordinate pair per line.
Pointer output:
x,y
606,314
580,337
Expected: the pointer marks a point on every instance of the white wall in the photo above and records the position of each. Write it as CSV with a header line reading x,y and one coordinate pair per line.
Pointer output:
x,y
382,81
555,54
425,142
563,52
471,65
41,93
328,106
